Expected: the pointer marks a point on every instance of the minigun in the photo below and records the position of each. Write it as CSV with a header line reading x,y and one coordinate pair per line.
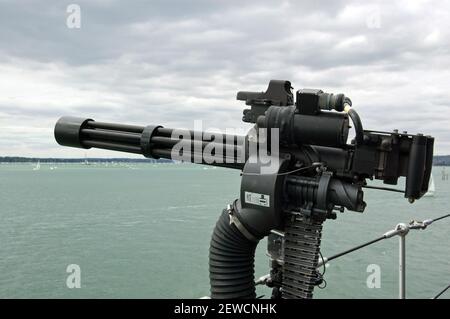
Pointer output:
x,y
297,171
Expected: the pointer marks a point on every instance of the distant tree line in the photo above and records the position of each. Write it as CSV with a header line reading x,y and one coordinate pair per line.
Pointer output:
x,y
439,160
16,159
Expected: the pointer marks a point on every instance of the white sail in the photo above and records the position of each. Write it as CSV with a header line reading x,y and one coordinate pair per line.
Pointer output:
x,y
37,167
431,187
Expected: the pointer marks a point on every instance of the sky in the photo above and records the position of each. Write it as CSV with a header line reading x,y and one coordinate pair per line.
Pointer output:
x,y
174,62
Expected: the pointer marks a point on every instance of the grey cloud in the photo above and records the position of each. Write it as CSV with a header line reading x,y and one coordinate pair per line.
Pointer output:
x,y
172,62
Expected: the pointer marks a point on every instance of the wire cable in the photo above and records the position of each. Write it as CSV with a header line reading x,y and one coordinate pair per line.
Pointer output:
x,y
439,294
323,263
442,217
358,126
384,188
323,283
384,236
356,248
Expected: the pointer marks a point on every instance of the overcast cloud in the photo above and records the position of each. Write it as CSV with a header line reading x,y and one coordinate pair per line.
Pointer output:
x,y
173,62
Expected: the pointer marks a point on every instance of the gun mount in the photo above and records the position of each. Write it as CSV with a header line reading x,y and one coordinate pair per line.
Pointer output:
x,y
297,171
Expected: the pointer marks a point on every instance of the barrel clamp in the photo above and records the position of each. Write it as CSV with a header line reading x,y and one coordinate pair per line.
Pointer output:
x,y
234,220
146,140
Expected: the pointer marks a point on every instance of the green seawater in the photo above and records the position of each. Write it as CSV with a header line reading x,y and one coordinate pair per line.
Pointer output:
x,y
143,231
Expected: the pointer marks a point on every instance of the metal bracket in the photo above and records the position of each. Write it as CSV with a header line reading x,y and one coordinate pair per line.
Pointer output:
x,y
234,220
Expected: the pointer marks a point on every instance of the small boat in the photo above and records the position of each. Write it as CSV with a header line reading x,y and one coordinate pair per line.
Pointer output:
x,y
37,167
431,188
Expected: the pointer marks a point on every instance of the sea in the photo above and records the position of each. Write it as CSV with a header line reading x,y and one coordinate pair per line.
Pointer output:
x,y
143,231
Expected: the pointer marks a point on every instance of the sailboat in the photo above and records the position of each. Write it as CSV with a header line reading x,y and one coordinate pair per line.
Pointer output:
x,y
37,167
86,162
431,187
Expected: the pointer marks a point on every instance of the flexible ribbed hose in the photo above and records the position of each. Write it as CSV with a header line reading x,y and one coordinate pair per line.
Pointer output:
x,y
231,262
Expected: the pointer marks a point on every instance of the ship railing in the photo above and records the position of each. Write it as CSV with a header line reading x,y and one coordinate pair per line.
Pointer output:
x,y
401,230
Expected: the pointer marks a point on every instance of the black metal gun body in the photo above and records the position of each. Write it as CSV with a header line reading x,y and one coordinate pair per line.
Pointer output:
x,y
307,138
316,172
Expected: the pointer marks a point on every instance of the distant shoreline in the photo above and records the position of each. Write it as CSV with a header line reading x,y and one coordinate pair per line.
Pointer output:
x,y
439,160
17,159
